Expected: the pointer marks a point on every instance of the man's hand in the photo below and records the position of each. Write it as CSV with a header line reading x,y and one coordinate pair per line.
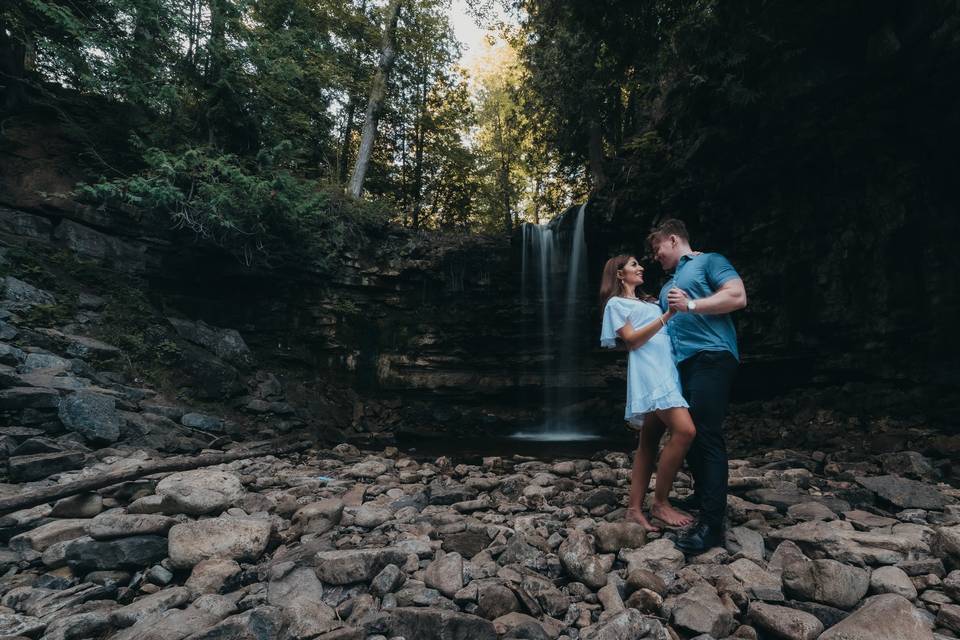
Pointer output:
x,y
677,300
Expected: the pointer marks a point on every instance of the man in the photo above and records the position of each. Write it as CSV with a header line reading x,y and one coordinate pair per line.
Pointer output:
x,y
703,289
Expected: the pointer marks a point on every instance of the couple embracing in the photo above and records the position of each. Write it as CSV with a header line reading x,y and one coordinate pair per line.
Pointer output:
x,y
682,359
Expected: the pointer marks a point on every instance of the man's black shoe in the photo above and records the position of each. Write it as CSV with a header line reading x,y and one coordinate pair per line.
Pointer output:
x,y
699,538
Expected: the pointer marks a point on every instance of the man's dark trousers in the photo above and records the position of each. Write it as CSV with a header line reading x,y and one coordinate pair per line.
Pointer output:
x,y
706,378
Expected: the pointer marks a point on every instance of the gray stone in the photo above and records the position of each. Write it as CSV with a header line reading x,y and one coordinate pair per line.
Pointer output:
x,y
450,493
810,511
199,492
29,398
92,415
19,295
424,623
227,344
758,583
241,539
581,562
120,525
747,542
660,556
41,537
124,553
892,580
628,624
173,624
827,581
10,355
883,617
209,576
203,422
701,610
151,606
120,254
847,545
949,617
371,516
319,517
12,624
260,623
387,580
45,361
355,565
611,537
905,493
495,599
783,622
445,574
43,465
84,505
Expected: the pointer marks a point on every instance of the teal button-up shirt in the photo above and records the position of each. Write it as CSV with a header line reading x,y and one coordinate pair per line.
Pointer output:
x,y
700,276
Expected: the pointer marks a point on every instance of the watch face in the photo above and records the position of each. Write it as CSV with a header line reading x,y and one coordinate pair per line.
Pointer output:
x,y
691,305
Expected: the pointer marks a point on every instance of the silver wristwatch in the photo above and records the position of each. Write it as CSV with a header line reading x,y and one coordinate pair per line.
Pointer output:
x,y
691,306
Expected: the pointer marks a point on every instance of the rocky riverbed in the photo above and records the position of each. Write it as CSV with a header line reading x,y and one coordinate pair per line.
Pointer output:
x,y
344,543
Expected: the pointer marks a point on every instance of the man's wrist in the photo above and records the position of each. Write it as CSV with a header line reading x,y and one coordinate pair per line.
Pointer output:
x,y
691,306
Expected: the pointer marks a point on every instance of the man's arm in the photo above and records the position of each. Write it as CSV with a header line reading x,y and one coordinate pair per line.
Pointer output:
x,y
731,296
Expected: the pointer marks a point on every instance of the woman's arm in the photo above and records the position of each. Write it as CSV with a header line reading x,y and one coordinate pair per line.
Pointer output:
x,y
634,338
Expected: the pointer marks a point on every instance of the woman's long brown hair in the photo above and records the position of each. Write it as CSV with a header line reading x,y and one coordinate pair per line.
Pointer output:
x,y
610,283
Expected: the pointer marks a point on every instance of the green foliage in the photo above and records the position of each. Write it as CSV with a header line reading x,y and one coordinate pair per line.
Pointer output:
x,y
255,209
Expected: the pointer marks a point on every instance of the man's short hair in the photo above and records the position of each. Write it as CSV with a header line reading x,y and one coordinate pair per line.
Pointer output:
x,y
668,227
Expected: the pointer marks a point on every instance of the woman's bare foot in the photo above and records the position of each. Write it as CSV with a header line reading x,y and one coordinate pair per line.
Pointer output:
x,y
673,517
635,515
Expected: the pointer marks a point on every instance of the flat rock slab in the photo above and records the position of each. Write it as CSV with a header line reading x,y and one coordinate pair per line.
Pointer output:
x,y
425,623
355,565
118,525
199,492
905,493
43,465
848,545
241,539
12,625
784,622
884,617
123,553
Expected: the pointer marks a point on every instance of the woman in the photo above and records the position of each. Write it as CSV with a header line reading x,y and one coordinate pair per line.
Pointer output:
x,y
654,400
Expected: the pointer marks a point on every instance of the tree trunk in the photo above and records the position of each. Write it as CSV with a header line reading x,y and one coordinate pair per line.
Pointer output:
x,y
595,155
216,53
378,92
345,143
418,155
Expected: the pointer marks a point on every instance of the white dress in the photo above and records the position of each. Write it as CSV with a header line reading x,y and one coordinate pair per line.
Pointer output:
x,y
652,379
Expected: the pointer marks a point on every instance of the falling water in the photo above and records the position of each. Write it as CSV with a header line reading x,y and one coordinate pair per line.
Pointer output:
x,y
553,283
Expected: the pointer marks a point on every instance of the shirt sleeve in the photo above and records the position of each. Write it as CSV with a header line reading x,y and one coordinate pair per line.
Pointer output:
x,y
719,270
615,316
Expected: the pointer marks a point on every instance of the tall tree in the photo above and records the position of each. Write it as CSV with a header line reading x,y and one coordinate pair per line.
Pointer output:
x,y
378,92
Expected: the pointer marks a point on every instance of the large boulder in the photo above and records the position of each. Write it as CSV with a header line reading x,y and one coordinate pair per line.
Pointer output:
x,y
783,622
905,493
701,610
628,624
884,617
43,465
581,562
94,416
241,539
199,492
355,565
826,581
134,552
426,623
227,344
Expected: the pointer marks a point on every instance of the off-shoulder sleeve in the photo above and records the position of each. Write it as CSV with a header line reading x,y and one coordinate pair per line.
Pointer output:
x,y
615,315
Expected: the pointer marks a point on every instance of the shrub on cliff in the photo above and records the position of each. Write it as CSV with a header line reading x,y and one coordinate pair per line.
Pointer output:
x,y
256,209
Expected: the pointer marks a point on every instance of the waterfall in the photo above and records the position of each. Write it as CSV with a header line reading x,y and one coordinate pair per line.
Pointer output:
x,y
553,287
